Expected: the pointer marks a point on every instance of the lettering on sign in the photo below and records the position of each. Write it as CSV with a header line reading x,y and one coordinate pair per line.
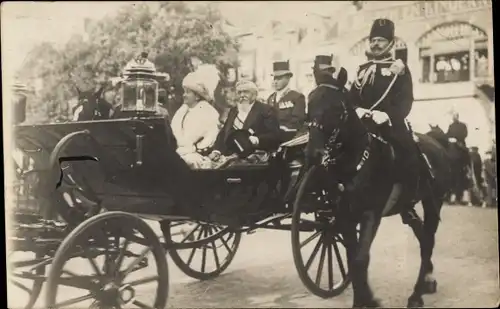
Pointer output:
x,y
416,10
451,31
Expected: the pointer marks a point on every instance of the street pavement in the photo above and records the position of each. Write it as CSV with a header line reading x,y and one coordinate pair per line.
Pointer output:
x,y
263,274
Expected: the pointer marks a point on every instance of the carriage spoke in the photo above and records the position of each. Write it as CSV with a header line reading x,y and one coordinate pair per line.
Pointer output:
x,y
191,255
121,256
339,260
73,301
204,251
311,238
314,253
330,268
188,236
22,287
320,265
142,281
72,274
136,262
214,249
94,266
141,304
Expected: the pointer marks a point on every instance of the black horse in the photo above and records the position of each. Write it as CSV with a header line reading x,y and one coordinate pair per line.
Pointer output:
x,y
459,159
91,106
359,167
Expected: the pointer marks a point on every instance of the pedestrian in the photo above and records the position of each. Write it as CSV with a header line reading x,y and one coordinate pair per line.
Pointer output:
x,y
490,172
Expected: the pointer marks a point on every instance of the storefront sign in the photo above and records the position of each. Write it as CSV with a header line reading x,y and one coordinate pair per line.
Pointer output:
x,y
417,10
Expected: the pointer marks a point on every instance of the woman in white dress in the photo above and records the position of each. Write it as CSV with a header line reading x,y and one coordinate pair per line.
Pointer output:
x,y
196,123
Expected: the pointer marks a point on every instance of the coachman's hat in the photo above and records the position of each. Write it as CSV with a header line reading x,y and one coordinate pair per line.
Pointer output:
x,y
282,68
323,62
239,142
383,28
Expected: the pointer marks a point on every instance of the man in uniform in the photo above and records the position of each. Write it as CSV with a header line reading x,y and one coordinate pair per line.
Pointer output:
x,y
291,104
383,90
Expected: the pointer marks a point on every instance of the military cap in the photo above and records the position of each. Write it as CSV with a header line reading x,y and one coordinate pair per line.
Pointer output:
x,y
384,28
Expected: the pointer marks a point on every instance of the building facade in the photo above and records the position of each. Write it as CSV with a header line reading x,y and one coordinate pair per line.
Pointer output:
x,y
448,46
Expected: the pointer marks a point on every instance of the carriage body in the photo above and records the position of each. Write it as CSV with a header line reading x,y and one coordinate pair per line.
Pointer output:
x,y
137,170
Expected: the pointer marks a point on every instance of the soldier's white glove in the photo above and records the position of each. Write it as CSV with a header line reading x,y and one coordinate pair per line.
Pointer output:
x,y
254,140
362,112
380,117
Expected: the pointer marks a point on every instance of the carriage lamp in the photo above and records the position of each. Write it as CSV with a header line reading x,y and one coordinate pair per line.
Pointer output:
x,y
19,92
140,87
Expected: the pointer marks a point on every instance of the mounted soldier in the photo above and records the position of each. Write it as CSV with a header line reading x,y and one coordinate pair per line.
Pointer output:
x,y
291,104
383,91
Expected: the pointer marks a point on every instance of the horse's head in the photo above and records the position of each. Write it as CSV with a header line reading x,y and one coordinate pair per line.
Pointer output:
x,y
438,134
88,100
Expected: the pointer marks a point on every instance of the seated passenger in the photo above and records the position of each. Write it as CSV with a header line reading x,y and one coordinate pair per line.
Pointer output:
x,y
251,120
195,124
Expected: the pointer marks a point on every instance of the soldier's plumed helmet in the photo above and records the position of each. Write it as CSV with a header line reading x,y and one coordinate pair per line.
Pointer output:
x,y
383,28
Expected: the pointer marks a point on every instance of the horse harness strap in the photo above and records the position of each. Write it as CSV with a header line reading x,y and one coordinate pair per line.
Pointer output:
x,y
343,118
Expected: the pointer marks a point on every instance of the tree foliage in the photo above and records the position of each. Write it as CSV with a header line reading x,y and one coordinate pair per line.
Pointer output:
x,y
171,32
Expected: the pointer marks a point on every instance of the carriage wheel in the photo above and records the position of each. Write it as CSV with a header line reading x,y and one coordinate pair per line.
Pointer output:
x,y
313,233
101,257
29,273
200,250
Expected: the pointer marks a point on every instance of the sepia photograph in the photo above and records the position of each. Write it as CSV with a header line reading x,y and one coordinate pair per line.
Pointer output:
x,y
249,154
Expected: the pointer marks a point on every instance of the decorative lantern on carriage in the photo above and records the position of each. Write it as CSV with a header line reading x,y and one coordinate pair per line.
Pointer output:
x,y
20,94
140,87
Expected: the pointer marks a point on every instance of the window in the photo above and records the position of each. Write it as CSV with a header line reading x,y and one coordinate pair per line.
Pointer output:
x,y
453,67
481,62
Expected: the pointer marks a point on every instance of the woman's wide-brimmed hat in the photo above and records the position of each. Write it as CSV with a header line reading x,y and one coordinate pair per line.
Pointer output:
x,y
193,83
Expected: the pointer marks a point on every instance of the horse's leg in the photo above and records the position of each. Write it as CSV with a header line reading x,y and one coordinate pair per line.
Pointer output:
x,y
363,295
426,284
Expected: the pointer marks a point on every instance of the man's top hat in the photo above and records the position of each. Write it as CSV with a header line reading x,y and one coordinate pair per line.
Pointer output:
x,y
323,62
282,68
383,28
238,142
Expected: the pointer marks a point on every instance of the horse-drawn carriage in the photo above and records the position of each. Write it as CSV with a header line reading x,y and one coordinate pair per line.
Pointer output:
x,y
86,186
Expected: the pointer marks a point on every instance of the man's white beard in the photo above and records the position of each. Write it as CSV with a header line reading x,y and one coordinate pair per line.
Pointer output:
x,y
244,106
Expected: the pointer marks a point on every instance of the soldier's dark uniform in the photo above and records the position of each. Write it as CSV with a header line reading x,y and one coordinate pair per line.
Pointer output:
x,y
372,80
291,105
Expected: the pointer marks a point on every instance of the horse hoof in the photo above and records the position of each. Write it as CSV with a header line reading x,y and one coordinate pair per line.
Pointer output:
x,y
415,302
429,287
